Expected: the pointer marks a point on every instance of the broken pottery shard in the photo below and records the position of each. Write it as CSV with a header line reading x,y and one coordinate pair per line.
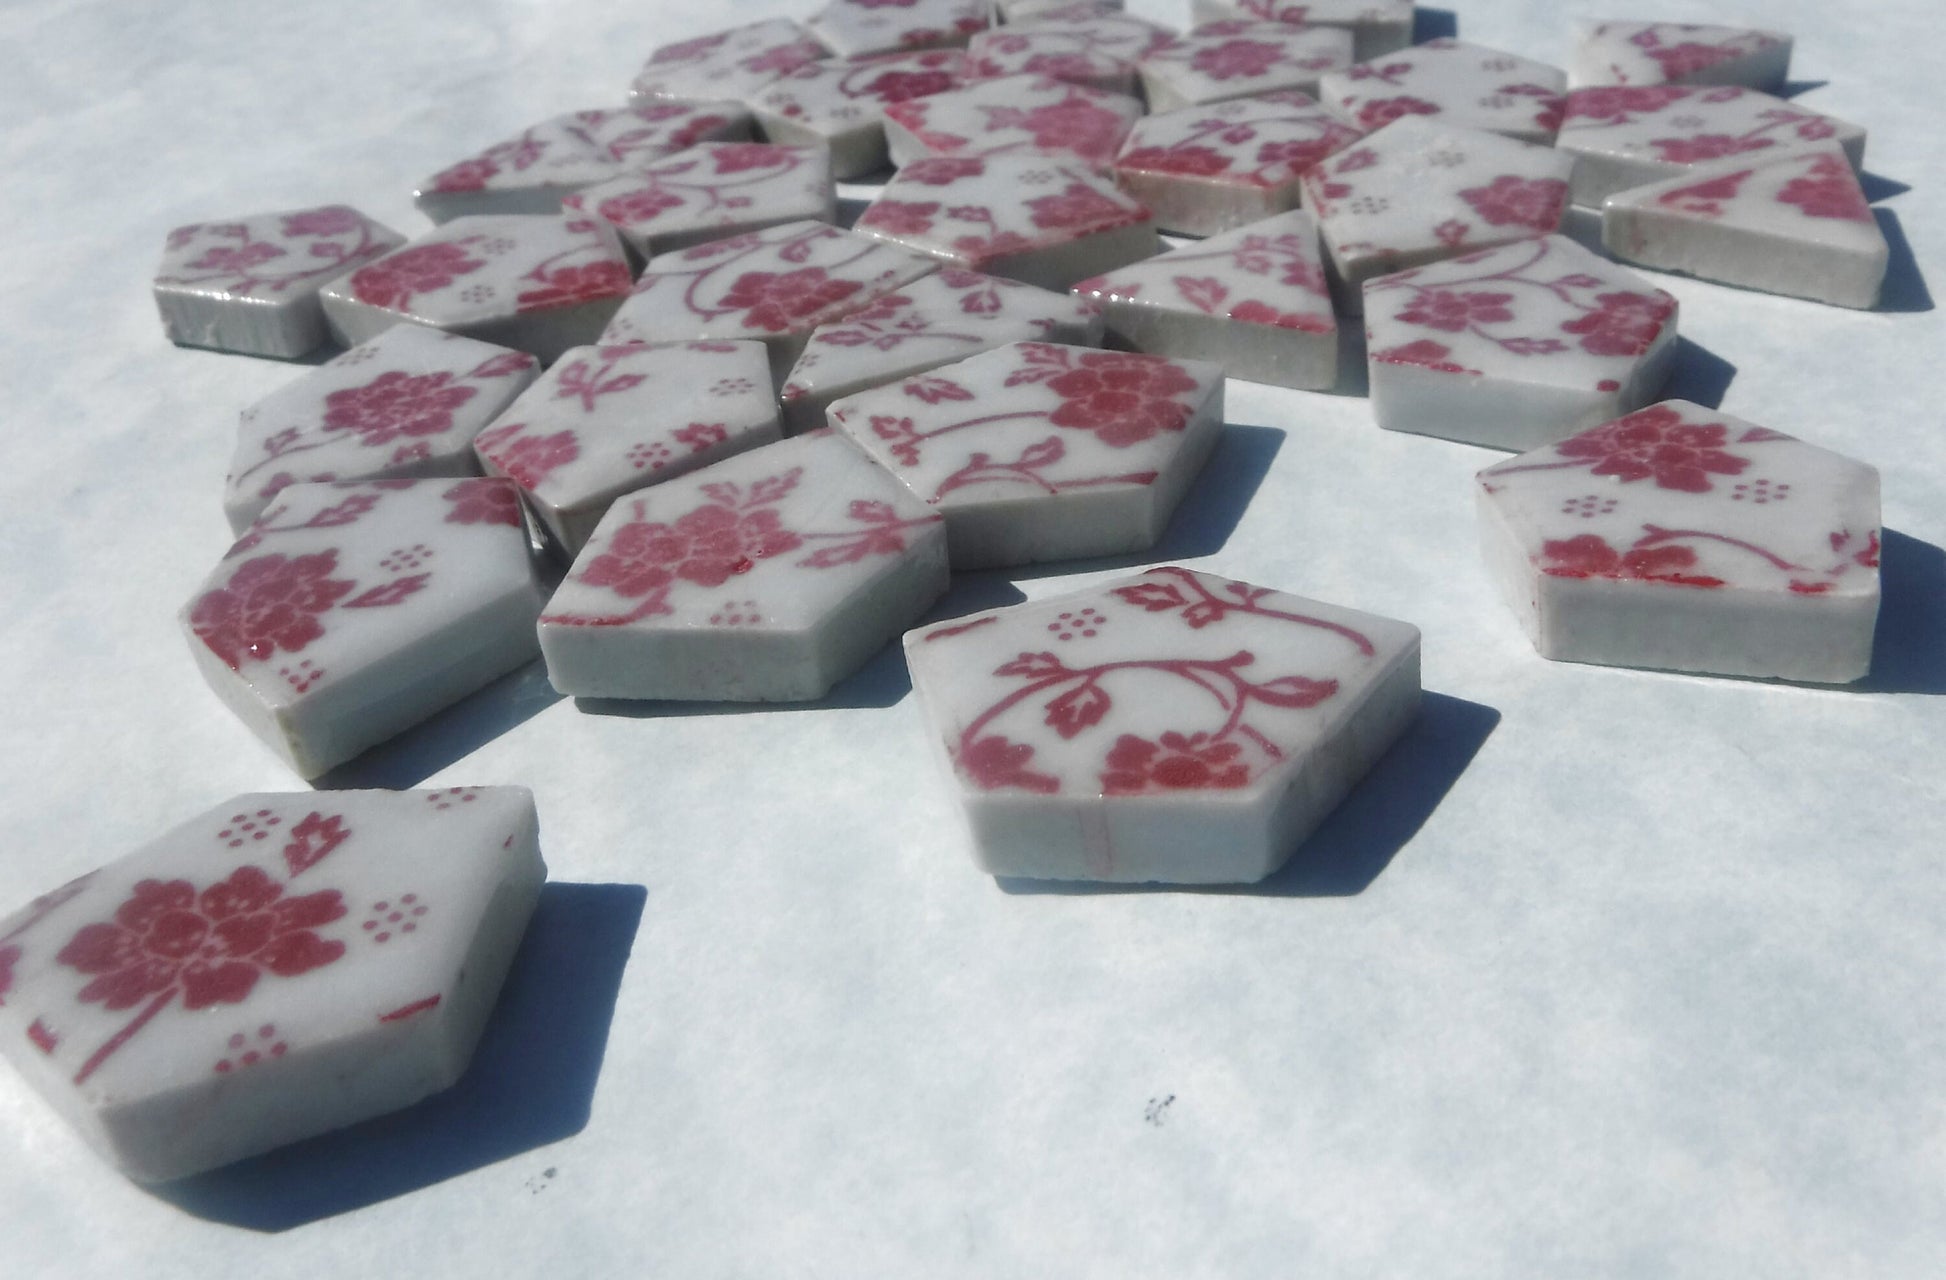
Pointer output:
x,y
712,191
1462,84
1677,53
861,28
1682,538
733,64
1013,115
1174,727
1377,26
1239,59
840,104
279,967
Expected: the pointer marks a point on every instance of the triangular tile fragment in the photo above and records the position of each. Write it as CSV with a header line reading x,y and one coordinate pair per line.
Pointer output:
x,y
1678,53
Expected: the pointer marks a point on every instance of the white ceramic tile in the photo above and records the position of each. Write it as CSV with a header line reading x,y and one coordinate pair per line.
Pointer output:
x,y
1238,59
1122,35
1023,10
1025,217
1032,115
840,104
350,612
766,578
1059,55
735,63
606,421
1630,135
1463,84
1208,169
536,283
711,191
1680,537
530,172
1517,346
1795,223
1038,452
1377,26
1175,726
1253,300
251,284
407,404
935,320
1677,53
282,965
861,28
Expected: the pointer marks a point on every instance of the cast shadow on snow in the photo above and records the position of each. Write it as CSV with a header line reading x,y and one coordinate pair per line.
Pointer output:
x,y
1909,647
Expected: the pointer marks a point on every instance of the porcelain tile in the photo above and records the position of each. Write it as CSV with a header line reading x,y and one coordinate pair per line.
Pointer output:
x,y
1462,84
711,191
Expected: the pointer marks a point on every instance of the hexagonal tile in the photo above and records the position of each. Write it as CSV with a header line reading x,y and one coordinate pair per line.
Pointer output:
x,y
1040,452
406,404
841,104
1516,346
1682,538
606,421
1174,727
735,63
1204,170
1059,55
350,612
1024,217
769,577
1238,59
1462,84
251,284
860,28
1677,53
1013,114
277,967
1377,26
711,191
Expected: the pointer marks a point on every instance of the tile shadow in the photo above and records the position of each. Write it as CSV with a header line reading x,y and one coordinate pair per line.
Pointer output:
x,y
1698,375
1905,287
1878,187
449,736
1909,647
1434,24
1793,88
531,1083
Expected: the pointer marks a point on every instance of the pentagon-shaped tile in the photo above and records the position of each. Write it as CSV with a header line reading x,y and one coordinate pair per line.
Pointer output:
x,y
1377,26
1462,84
1024,217
1253,300
711,191
251,284
1516,346
1122,35
1174,727
405,405
1795,223
935,320
1239,59
733,64
1418,191
1042,452
1208,169
1013,115
1677,53
1631,135
278,967
766,578
1682,538
1058,55
840,104
860,28
539,284
529,173
350,612
773,286
606,421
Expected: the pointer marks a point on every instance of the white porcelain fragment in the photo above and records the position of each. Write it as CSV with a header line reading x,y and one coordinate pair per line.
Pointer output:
x,y
1253,300
1682,538
1626,136
1239,59
710,191
1794,223
251,284
282,965
404,405
1037,452
1462,84
1517,346
1032,115
840,104
350,612
861,28
1174,727
530,172
1059,55
766,578
1207,169
732,64
606,421
536,283
1107,29
1024,217
935,320
1377,26
1677,53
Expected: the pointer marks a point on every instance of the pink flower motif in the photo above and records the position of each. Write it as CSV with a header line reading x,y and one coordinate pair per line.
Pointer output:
x,y
1176,763
708,546
742,157
483,501
392,280
396,404
1627,324
903,86
1828,191
271,602
941,171
1124,399
1078,206
1589,556
1508,201
1254,312
1298,154
1655,443
1188,160
1679,61
467,175
1073,124
1619,103
901,217
776,302
239,259
1423,352
1379,112
1705,146
632,208
527,460
572,286
1453,311
699,436
332,220
993,762
1234,58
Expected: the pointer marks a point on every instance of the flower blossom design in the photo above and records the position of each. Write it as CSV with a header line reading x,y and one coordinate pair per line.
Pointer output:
x,y
1589,556
1376,113
396,404
270,603
1509,201
1236,58
332,220
573,285
525,459
1655,443
903,217
1190,161
1828,190
1706,146
1123,399
238,259
393,279
1618,104
776,301
643,204
1178,762
1626,323
707,546
1679,61
1454,311
1080,205
483,501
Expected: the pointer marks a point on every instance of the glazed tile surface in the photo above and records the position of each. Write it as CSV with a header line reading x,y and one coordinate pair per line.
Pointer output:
x,y
713,190
1238,59
1677,53
1059,55
1013,114
1462,84
860,28
841,104
732,64
1121,35
1377,26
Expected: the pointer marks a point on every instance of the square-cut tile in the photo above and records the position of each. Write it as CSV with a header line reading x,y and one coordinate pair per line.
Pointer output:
x,y
350,612
1463,84
935,320
1253,300
1109,30
1238,59
1203,170
1377,26
1678,53
1014,114
606,421
1680,537
1175,726
529,173
1041,452
282,965
251,284
1517,346
860,28
733,64
405,405
1025,217
1059,55
711,191
840,105
766,578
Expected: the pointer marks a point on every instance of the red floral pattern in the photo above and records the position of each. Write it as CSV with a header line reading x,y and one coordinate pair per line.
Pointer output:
x,y
393,279
1619,103
527,459
1379,112
1189,161
1680,61
396,404
1657,444
707,546
777,302
1122,398
1589,556
1235,59
1079,205
1626,323
332,220
643,204
270,603
1509,201
484,501
902,217
1177,762
1706,146
570,286
1454,310
1828,190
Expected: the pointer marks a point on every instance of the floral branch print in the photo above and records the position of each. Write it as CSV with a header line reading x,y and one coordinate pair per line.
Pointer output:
x,y
769,301
582,381
706,180
392,281
980,468
1652,444
563,283
236,262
